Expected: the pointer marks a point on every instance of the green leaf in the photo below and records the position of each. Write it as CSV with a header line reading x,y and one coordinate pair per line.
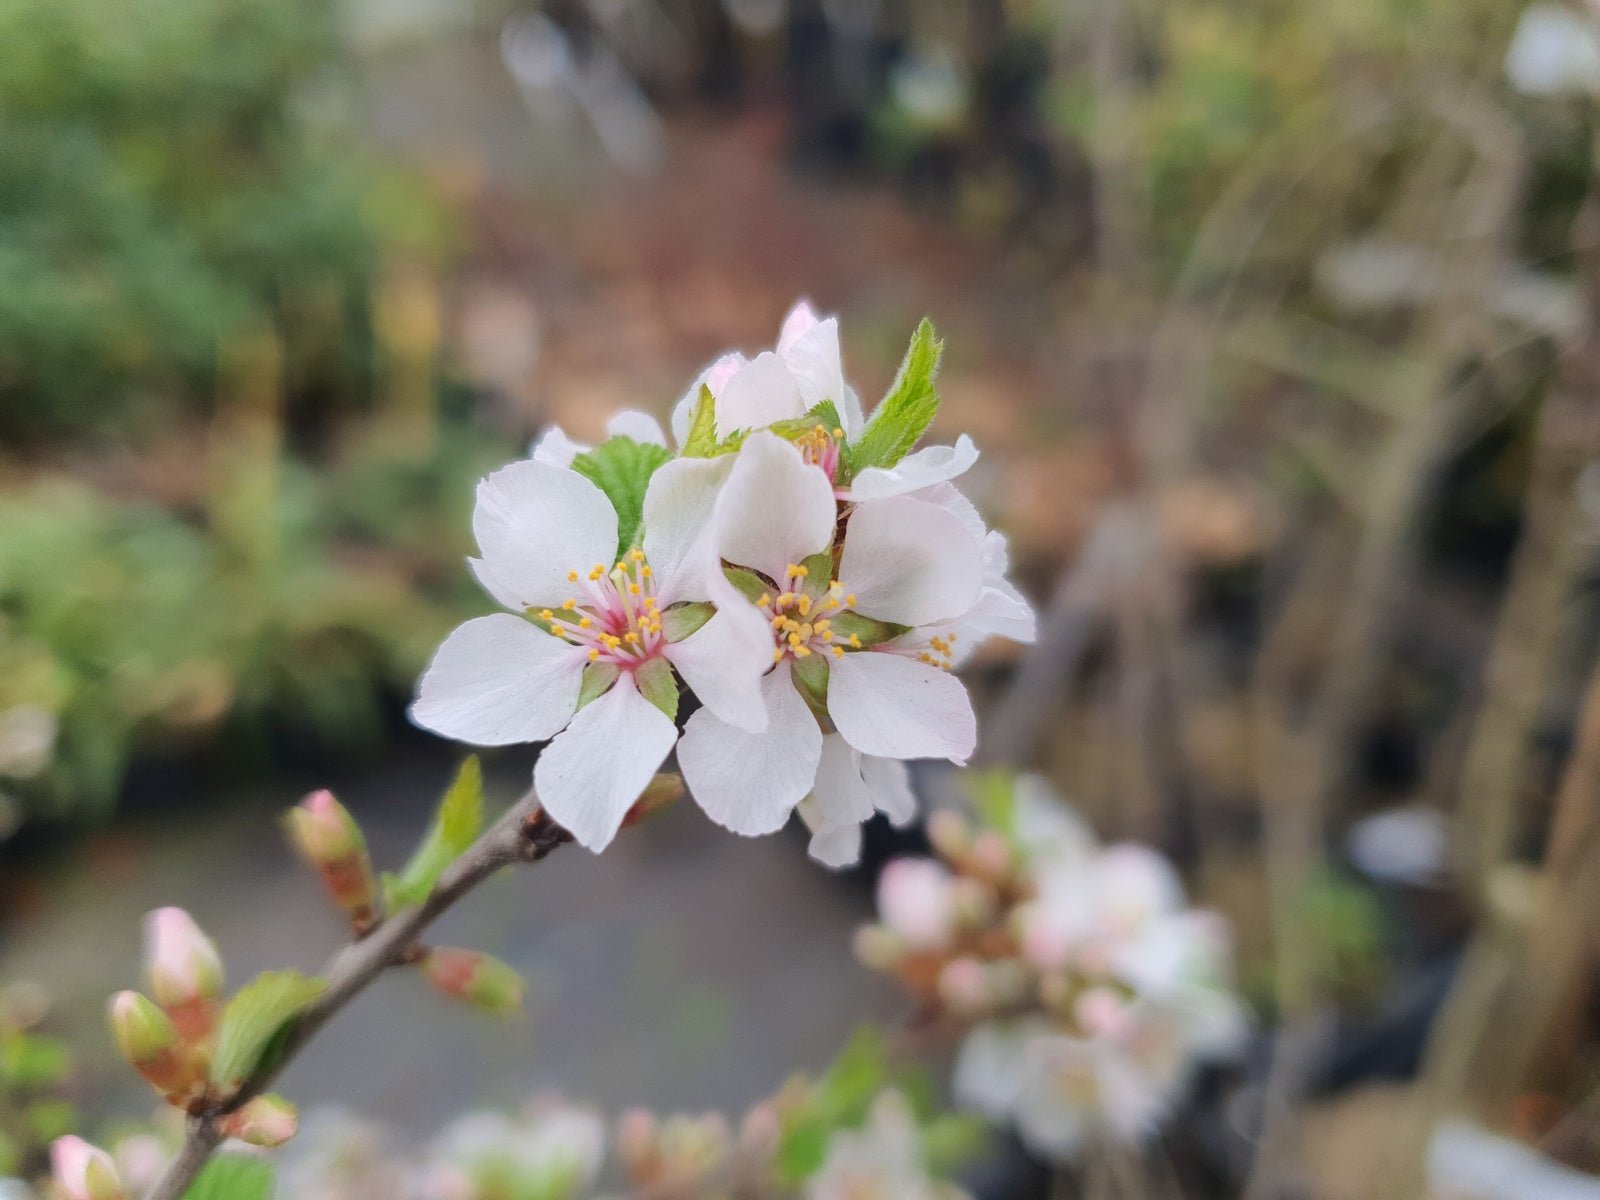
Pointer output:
x,y
824,414
597,677
233,1177
253,1018
621,468
903,416
679,621
29,1062
750,585
658,685
994,794
872,633
702,439
455,826
841,1098
951,1141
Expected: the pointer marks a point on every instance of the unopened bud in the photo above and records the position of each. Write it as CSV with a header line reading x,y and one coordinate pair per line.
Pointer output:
x,y
266,1121
949,834
184,971
637,1132
84,1172
964,986
761,1131
975,903
328,838
877,947
662,790
147,1039
479,979
991,855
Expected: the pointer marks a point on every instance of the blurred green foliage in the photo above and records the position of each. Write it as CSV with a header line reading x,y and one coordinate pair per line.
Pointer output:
x,y
34,1068
172,171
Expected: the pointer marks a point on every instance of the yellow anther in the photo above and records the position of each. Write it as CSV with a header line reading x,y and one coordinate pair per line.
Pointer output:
x,y
802,652
835,586
569,604
850,600
785,599
794,639
951,638
855,641
636,555
826,635
925,657
594,655
633,589
791,624
777,654
546,615
645,571
765,601
572,577
805,632
803,604
821,623
631,637
777,621
838,434
838,651
585,622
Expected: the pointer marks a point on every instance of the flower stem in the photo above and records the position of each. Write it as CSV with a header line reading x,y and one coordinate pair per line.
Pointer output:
x,y
524,834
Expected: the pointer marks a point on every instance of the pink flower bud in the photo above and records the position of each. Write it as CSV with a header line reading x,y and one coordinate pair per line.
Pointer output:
x,y
637,1131
479,979
146,1038
949,834
991,855
266,1121
916,902
877,948
964,986
84,1172
329,839
184,971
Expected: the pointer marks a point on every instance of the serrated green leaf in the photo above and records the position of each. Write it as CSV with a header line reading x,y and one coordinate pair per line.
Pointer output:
x,y
456,825
750,585
658,685
872,633
702,439
233,1177
679,621
621,468
824,414
597,677
903,416
254,1017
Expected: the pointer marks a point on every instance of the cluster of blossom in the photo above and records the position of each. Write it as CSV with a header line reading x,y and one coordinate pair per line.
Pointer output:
x,y
788,560
556,1150
1089,990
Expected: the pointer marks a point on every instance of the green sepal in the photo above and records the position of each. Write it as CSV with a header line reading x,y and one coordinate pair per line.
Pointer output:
x,y
751,586
825,414
456,824
255,1016
621,468
871,633
679,621
811,674
597,677
658,685
702,439
904,414
819,574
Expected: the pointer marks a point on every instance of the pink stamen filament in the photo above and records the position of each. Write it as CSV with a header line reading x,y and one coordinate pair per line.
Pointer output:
x,y
616,615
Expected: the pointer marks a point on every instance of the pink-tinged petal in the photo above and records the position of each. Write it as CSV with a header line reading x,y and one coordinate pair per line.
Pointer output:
x,y
909,562
534,523
917,901
890,784
715,377
832,844
802,319
679,506
927,467
896,707
591,775
814,362
554,448
775,509
759,393
497,680
724,661
749,782
640,426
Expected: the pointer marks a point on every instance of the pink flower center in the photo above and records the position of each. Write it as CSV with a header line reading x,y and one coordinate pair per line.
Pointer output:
x,y
801,624
615,614
820,448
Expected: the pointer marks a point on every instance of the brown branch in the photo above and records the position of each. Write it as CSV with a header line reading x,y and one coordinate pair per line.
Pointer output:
x,y
524,834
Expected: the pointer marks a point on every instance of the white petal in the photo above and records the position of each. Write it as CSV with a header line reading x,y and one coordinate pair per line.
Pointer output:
x,y
641,427
909,562
950,498
590,776
715,377
1050,1117
842,795
749,782
896,707
989,1066
850,412
813,360
759,393
775,509
890,784
554,448
534,523
832,844
802,319
928,466
679,506
498,680
723,663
